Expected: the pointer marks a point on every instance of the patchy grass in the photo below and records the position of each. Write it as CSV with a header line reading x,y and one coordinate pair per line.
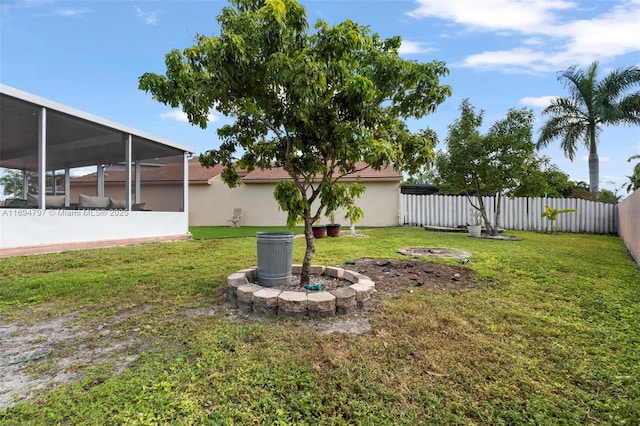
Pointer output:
x,y
554,342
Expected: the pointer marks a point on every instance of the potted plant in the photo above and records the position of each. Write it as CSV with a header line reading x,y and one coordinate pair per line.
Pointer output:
x,y
333,228
474,228
319,231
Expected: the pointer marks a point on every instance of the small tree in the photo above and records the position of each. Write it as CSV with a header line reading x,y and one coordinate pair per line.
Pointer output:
x,y
314,103
480,165
552,214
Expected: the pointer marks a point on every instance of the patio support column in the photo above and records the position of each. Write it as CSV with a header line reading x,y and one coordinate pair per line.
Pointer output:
x,y
127,172
138,178
185,183
100,180
67,187
42,157
25,184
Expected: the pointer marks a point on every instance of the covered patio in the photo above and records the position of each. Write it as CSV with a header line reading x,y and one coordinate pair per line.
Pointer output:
x,y
46,143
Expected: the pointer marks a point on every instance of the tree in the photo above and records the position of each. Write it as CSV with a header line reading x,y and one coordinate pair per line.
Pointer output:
x,y
480,165
314,103
608,196
634,179
12,182
591,105
542,179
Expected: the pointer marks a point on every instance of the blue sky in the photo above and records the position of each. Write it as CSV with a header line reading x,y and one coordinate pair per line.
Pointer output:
x,y
501,54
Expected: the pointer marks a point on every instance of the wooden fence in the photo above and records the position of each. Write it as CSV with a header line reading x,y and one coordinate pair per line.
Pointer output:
x,y
518,213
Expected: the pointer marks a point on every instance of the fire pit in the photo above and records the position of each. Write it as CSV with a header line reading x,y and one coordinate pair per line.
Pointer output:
x,y
297,302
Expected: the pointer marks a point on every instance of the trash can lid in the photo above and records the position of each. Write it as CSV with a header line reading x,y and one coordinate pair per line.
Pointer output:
x,y
274,234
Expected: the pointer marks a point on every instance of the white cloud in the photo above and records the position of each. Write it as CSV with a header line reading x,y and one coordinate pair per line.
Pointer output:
x,y
605,36
537,102
412,47
177,115
610,178
149,18
494,15
72,13
508,60
533,41
5,5
555,33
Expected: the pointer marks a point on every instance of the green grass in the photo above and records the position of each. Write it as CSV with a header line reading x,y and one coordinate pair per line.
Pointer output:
x,y
555,341
211,232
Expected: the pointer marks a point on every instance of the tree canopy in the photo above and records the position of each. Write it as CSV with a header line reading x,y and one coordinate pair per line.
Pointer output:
x,y
491,164
543,179
315,103
592,104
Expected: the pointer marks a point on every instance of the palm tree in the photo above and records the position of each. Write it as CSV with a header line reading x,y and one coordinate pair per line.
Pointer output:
x,y
591,105
635,177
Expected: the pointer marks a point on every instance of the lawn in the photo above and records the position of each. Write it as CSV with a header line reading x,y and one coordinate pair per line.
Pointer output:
x,y
554,340
213,232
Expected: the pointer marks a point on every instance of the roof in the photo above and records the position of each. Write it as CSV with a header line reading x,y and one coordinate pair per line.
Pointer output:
x,y
199,174
74,138
171,172
368,173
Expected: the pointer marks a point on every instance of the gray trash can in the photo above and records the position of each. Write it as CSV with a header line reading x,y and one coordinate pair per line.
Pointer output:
x,y
275,254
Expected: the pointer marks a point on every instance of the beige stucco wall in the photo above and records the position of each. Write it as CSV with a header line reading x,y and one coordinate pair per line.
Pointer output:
x,y
212,204
629,223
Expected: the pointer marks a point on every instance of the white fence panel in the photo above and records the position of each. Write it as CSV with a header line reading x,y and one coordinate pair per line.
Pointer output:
x,y
518,213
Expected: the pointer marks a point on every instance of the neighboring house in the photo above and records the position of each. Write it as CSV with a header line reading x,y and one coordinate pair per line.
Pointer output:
x,y
211,201
160,184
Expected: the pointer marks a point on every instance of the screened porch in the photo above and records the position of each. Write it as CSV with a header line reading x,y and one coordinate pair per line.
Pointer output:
x,y
44,145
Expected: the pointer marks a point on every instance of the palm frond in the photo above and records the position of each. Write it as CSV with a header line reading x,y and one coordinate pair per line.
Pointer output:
x,y
618,82
629,108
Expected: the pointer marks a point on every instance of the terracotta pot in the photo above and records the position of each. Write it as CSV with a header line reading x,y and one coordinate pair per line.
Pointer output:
x,y
333,229
319,231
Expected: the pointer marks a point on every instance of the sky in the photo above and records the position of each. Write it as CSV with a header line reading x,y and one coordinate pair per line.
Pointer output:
x,y
501,54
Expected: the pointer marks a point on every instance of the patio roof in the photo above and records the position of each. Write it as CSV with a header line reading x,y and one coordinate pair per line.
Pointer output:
x,y
73,138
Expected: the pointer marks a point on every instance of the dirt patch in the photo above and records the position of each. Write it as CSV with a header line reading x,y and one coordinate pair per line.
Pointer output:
x,y
434,252
391,275
353,326
48,353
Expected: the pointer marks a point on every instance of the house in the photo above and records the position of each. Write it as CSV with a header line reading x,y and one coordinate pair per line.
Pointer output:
x,y
211,201
42,137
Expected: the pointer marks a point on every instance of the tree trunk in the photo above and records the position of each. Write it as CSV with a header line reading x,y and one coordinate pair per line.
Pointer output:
x,y
483,212
594,163
496,227
308,254
594,174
